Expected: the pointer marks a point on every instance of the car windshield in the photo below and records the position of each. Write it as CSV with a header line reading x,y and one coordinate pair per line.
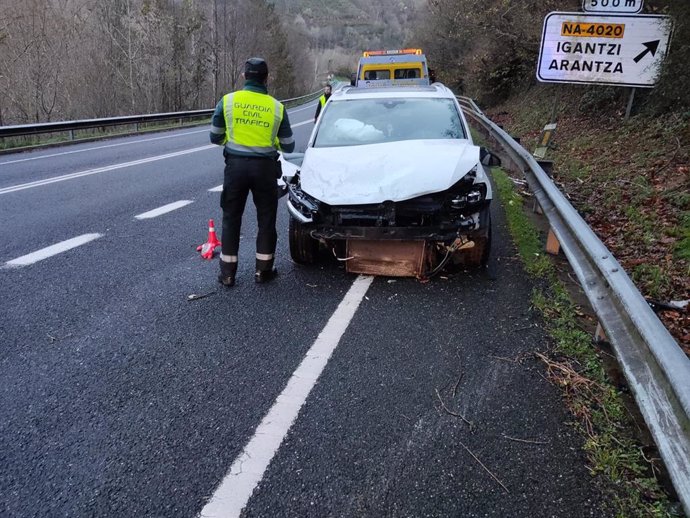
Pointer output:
x,y
369,121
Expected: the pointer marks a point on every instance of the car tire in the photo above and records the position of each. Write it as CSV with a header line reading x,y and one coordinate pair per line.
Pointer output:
x,y
304,249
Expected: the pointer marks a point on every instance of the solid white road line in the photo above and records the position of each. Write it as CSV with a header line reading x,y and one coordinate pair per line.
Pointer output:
x,y
246,472
52,250
217,188
164,209
128,143
55,179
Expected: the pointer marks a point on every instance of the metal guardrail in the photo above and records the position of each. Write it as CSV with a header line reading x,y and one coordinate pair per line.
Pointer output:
x,y
53,127
656,368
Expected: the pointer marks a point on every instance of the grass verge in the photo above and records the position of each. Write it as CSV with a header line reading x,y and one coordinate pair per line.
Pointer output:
x,y
574,365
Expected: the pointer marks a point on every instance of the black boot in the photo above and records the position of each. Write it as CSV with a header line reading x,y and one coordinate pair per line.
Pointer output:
x,y
227,273
265,272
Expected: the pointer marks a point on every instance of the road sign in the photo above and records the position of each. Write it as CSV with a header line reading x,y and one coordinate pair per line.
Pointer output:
x,y
612,6
622,50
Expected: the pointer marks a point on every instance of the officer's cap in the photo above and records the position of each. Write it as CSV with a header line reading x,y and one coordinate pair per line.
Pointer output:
x,y
255,68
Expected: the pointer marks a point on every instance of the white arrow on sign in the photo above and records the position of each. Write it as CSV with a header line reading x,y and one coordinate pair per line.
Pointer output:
x,y
622,50
612,6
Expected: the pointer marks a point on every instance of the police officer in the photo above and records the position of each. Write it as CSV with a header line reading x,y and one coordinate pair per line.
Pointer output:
x,y
322,101
252,126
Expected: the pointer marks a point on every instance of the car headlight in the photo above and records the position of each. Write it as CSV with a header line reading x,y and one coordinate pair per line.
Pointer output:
x,y
302,201
474,196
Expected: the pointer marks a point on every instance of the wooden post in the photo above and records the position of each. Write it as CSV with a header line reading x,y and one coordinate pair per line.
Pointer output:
x,y
552,244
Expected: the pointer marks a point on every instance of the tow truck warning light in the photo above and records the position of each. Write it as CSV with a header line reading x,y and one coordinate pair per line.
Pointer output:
x,y
593,30
368,53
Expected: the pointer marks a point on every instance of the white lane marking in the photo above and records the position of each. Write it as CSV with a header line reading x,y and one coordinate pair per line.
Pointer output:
x,y
217,188
55,179
246,472
128,143
52,250
301,123
307,107
164,209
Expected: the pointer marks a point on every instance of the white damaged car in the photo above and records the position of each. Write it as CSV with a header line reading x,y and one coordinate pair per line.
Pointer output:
x,y
392,184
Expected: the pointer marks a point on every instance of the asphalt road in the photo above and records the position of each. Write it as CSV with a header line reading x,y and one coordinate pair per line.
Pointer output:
x,y
121,397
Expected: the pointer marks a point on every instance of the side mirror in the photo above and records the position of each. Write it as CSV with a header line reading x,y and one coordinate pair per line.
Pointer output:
x,y
488,159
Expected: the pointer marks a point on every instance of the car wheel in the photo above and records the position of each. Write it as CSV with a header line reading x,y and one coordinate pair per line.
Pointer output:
x,y
304,249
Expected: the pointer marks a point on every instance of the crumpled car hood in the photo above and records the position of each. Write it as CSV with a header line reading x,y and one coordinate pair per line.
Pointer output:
x,y
395,171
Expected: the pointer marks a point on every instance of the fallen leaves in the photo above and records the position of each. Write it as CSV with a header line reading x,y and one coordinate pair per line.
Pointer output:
x,y
631,184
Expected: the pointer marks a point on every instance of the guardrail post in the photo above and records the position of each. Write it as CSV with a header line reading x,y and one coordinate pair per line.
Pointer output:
x,y
552,244
536,208
600,334
71,134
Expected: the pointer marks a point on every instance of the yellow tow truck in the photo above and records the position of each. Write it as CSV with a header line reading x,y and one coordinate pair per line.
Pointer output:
x,y
399,67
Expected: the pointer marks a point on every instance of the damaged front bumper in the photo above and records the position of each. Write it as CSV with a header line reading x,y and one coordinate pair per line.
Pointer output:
x,y
407,239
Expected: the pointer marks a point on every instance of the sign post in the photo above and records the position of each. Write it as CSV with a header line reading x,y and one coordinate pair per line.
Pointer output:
x,y
624,50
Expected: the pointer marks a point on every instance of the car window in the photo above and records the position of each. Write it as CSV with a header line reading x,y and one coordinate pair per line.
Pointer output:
x,y
377,74
367,121
407,73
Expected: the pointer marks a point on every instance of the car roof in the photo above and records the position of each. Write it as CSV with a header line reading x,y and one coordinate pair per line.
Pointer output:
x,y
435,90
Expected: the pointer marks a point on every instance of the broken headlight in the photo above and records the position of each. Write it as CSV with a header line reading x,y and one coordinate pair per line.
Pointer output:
x,y
471,198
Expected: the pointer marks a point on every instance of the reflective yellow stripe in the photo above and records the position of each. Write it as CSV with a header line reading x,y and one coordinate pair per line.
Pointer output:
x,y
227,100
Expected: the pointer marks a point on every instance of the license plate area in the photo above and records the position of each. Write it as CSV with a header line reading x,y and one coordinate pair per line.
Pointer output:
x,y
388,257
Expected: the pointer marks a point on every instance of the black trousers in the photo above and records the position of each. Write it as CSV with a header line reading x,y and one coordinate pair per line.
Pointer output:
x,y
259,176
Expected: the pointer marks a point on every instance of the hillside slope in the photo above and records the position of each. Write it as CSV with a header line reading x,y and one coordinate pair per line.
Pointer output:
x,y
630,181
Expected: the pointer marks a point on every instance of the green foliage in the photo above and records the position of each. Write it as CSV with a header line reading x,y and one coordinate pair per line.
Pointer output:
x,y
486,49
527,238
682,249
672,92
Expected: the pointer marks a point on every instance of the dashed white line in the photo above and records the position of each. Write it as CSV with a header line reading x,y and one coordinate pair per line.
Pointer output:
x,y
302,123
217,188
295,110
52,250
246,472
89,172
128,143
164,209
